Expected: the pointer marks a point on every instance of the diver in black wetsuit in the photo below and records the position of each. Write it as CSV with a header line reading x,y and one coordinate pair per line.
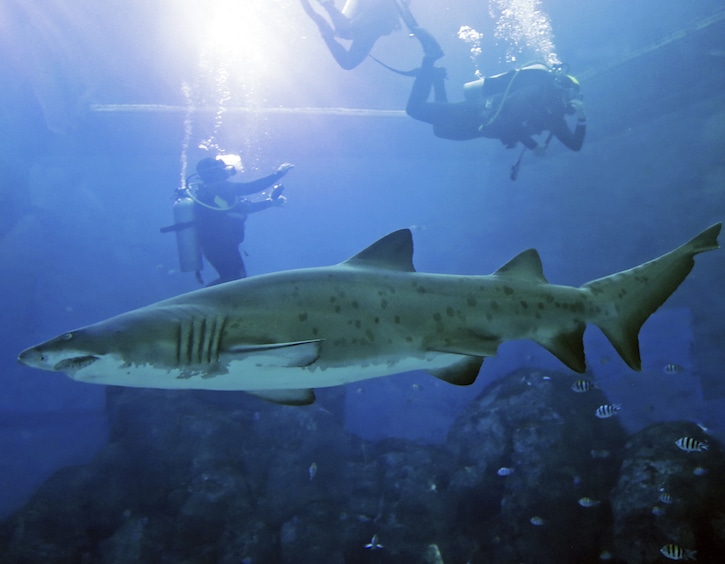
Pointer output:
x,y
512,106
221,213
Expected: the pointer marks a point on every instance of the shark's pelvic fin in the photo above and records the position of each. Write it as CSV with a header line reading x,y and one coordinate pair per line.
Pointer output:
x,y
525,266
636,294
301,353
392,252
568,348
286,397
462,373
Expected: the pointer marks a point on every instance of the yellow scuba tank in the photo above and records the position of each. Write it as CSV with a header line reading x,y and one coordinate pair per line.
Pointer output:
x,y
187,240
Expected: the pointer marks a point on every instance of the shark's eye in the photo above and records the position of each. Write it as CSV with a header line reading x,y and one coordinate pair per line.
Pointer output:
x,y
67,336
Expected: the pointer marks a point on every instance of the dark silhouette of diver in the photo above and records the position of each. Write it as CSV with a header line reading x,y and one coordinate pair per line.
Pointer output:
x,y
221,212
512,107
363,22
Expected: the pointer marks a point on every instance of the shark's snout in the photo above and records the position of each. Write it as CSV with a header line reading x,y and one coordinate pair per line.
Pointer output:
x,y
34,358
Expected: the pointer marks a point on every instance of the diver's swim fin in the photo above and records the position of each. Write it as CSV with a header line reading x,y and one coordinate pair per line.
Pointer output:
x,y
406,15
431,48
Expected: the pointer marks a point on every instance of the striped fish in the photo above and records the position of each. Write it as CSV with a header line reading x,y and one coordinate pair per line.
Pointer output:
x,y
676,552
604,411
688,444
581,386
673,368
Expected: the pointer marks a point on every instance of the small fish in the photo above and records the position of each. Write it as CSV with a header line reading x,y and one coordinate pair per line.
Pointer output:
x,y
676,552
537,521
666,498
374,544
588,502
601,453
688,444
312,470
704,428
658,511
581,386
505,471
700,471
673,368
604,411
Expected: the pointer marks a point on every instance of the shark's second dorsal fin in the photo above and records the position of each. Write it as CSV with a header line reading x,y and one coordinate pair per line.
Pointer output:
x,y
392,252
526,266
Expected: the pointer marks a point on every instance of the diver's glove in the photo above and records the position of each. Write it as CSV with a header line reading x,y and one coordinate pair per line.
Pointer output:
x,y
578,106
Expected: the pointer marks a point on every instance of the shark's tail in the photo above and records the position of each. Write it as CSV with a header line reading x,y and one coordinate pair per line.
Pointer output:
x,y
628,298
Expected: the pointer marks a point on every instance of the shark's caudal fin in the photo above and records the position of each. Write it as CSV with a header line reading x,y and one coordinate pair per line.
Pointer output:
x,y
633,295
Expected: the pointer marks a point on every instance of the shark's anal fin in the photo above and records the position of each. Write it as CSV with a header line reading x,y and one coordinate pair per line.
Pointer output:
x,y
298,353
461,373
286,397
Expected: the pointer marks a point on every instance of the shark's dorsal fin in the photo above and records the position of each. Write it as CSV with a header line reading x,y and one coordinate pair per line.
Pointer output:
x,y
525,265
392,252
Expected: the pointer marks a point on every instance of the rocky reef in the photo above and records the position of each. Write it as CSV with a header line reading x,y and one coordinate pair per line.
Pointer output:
x,y
528,474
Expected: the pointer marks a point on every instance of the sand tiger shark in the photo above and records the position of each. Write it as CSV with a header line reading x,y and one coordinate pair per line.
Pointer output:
x,y
279,336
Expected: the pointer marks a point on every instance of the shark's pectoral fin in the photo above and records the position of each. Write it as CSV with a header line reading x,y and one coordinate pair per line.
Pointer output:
x,y
298,353
460,373
286,397
568,348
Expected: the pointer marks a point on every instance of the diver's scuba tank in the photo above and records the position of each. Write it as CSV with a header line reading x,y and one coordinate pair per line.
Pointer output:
x,y
187,240
473,90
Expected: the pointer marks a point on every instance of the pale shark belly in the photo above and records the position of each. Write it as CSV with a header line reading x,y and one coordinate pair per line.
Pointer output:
x,y
258,373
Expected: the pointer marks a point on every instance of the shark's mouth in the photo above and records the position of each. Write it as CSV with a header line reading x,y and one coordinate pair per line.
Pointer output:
x,y
75,363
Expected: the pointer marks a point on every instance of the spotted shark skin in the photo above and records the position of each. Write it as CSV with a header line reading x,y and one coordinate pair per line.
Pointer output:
x,y
280,335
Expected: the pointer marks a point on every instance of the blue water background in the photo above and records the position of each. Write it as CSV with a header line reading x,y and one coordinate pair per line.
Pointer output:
x,y
95,184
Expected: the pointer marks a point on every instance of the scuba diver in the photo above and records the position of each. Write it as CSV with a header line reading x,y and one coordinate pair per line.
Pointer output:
x,y
512,107
362,22
210,213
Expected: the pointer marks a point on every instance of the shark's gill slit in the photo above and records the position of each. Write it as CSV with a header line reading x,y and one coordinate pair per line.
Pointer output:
x,y
188,343
216,338
199,340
